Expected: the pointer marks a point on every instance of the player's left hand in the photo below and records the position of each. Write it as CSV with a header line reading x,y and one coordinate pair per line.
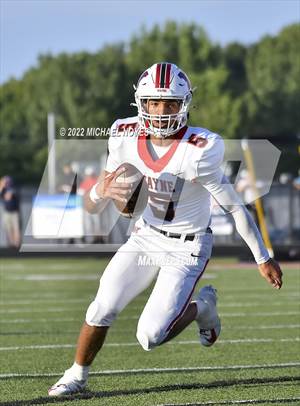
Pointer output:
x,y
271,271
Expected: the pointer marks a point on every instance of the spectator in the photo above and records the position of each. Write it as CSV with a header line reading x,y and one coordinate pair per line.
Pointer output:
x,y
88,181
11,216
69,183
296,181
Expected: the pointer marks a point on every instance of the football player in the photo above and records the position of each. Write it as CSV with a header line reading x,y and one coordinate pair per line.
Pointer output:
x,y
181,165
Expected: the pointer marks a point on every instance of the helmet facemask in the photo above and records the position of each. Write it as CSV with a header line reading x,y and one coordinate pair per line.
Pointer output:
x,y
166,124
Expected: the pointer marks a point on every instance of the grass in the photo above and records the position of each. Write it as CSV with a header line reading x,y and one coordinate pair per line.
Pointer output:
x,y
257,358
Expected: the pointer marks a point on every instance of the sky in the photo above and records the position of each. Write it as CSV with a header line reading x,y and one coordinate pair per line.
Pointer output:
x,y
32,27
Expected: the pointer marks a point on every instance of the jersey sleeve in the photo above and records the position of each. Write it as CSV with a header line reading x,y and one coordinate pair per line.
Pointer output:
x,y
211,158
114,142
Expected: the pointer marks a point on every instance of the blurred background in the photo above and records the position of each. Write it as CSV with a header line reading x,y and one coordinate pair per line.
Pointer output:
x,y
72,64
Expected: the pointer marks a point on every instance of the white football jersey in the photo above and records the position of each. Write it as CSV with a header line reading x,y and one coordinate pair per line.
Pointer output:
x,y
178,202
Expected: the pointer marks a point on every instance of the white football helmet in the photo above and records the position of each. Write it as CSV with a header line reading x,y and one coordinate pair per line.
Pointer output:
x,y
163,81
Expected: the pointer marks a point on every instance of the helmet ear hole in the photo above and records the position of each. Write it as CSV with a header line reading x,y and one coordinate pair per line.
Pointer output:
x,y
180,103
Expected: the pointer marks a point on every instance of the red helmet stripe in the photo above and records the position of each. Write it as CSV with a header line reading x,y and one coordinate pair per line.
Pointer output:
x,y
157,76
168,72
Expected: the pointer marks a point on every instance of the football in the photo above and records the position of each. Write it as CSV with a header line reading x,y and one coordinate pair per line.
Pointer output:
x,y
138,200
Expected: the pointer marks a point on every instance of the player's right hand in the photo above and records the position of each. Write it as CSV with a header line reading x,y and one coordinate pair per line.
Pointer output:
x,y
271,271
109,188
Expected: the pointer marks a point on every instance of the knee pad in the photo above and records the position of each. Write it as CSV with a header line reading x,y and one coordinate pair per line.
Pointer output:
x,y
149,338
98,314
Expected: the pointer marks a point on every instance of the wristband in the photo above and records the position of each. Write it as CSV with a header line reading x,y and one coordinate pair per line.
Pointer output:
x,y
95,198
263,259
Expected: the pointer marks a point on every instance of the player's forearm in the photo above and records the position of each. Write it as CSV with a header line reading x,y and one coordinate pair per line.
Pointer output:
x,y
95,200
248,230
220,188
94,205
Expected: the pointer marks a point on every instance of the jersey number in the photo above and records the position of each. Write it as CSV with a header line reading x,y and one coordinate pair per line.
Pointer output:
x,y
163,205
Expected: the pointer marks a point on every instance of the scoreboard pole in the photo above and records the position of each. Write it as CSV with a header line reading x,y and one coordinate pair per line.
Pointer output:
x,y
51,154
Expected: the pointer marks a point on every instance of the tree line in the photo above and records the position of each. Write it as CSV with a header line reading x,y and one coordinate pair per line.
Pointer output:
x,y
242,91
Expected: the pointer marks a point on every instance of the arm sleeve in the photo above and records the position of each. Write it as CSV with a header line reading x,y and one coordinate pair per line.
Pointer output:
x,y
248,230
214,181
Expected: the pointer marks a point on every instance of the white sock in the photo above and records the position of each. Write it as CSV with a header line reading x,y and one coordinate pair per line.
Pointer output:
x,y
80,372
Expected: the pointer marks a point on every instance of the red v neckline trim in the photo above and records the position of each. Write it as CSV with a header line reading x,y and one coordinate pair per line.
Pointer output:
x,y
159,164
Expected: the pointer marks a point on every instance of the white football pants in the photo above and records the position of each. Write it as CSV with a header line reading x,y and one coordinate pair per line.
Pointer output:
x,y
178,265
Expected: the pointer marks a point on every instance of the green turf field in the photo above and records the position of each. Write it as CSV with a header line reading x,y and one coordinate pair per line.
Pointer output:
x,y
255,361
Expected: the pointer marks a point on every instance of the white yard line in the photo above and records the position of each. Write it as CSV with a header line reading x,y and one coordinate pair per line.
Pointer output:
x,y
49,310
70,319
54,277
47,320
263,295
258,327
237,314
133,344
46,266
134,317
159,370
139,308
262,303
246,305
116,330
55,301
233,402
289,313
47,297
42,301
70,277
